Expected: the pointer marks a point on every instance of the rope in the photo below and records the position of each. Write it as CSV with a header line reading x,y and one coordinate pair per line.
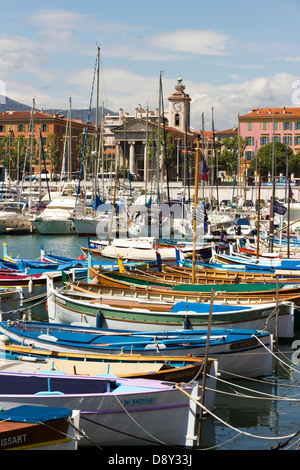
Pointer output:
x,y
143,429
278,359
228,425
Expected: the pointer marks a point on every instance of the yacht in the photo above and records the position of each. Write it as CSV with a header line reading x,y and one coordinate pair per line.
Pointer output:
x,y
56,219
14,217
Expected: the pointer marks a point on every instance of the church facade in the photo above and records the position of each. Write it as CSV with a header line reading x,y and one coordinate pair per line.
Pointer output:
x,y
142,144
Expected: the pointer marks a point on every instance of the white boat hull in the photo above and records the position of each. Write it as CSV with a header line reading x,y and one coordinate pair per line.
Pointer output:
x,y
54,227
135,414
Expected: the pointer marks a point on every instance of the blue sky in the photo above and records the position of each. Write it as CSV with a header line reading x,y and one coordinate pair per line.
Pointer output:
x,y
232,56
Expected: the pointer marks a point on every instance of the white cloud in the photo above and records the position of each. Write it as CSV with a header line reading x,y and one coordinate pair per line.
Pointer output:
x,y
292,59
60,19
230,100
201,42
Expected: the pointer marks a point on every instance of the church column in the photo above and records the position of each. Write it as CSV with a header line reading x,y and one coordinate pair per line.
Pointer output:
x,y
146,162
132,157
117,162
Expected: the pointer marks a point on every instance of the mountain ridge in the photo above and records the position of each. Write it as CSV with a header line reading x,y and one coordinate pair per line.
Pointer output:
x,y
7,104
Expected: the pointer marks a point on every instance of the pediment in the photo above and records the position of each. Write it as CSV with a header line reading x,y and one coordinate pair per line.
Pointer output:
x,y
134,126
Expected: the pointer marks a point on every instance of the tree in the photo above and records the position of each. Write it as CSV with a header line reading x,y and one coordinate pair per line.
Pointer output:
x,y
53,151
265,156
228,154
294,164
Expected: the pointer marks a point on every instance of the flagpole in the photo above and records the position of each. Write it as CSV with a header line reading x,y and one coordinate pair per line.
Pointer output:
x,y
195,209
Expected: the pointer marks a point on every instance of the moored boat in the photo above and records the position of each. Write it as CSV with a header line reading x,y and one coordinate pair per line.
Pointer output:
x,y
114,412
243,352
27,358
39,428
69,306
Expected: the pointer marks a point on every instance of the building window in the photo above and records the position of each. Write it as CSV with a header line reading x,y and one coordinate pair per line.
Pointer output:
x,y
249,155
297,140
296,126
30,126
2,129
44,128
177,120
287,140
21,128
264,126
276,126
287,126
250,140
249,126
264,140
276,138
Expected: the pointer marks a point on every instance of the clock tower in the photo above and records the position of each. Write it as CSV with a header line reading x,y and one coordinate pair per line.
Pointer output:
x,y
179,108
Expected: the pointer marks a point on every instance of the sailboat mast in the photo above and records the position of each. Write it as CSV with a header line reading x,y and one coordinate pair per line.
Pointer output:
x,y
146,157
195,210
97,126
271,230
70,141
158,142
31,149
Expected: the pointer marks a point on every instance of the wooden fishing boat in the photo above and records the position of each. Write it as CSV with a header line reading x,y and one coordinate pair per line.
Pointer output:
x,y
115,412
69,306
278,266
24,358
177,354
39,428
82,261
211,274
34,286
146,287
153,298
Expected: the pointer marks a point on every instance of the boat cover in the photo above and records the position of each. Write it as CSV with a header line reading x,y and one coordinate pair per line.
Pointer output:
x,y
34,414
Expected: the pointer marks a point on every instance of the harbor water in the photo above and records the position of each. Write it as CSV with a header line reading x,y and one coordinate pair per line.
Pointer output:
x,y
260,414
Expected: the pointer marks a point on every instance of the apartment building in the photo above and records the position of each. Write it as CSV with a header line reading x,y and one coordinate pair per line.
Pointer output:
x,y
16,123
262,126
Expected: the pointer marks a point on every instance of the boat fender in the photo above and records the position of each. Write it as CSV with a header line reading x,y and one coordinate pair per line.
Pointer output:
x,y
186,323
4,339
99,319
47,337
155,346
30,286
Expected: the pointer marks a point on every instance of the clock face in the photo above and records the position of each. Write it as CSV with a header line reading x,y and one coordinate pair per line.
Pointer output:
x,y
177,106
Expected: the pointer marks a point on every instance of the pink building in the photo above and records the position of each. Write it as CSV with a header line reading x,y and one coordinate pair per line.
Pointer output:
x,y
261,125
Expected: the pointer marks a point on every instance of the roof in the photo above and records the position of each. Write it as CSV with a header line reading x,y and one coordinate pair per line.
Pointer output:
x,y
38,115
232,131
283,112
